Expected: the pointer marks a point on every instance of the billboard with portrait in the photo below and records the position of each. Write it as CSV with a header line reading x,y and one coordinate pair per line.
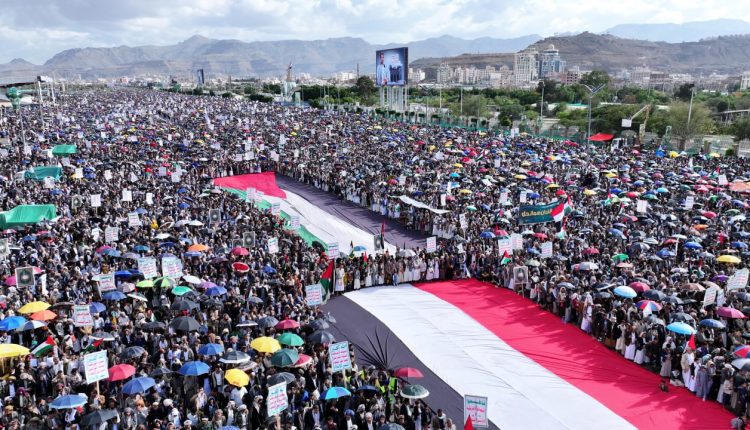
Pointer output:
x,y
392,67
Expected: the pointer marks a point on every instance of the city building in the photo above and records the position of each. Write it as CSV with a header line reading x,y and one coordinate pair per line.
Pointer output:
x,y
416,75
745,81
343,77
526,68
550,62
444,74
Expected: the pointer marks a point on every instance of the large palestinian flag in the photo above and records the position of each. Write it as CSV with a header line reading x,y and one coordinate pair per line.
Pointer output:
x,y
316,225
472,338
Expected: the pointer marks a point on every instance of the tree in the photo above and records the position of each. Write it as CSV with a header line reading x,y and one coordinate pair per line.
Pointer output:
x,y
249,89
741,128
365,87
475,105
700,119
684,92
595,78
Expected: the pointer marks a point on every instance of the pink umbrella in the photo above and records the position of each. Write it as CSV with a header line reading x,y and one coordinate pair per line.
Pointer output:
x,y
238,250
287,324
727,312
303,360
590,251
639,287
10,281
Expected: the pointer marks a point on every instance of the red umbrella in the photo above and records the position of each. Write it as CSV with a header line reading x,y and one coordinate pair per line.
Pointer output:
x,y
287,324
120,372
408,372
709,214
541,236
303,360
240,267
238,250
639,287
590,251
727,312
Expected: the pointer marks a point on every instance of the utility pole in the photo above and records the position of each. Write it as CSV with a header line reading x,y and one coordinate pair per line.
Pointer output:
x,y
541,110
592,91
690,108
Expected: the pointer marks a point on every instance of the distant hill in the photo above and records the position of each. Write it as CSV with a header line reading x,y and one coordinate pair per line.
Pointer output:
x,y
238,58
726,54
687,32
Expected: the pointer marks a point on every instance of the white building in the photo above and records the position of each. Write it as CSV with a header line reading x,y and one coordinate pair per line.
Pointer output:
x,y
343,77
416,75
526,68
745,82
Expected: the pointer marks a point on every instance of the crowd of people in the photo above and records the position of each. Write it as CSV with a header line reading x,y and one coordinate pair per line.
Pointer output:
x,y
626,273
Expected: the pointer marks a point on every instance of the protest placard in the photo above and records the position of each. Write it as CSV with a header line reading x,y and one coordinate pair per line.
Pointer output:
x,y
738,280
96,366
147,266
276,401
314,294
476,408
431,244
111,234
294,223
171,267
546,249
96,200
82,316
106,282
134,220
273,245
333,250
340,357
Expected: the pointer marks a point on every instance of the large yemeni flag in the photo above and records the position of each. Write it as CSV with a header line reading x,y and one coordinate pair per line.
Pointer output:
x,y
537,372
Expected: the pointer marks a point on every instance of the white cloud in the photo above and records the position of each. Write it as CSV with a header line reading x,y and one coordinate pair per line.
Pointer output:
x,y
36,30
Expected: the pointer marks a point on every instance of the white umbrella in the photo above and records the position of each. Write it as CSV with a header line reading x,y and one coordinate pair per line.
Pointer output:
x,y
195,223
190,279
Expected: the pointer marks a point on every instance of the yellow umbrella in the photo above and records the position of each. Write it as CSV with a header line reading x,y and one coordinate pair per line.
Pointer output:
x,y
30,308
431,147
265,344
553,186
465,191
237,377
589,193
525,164
731,259
674,154
520,177
459,165
9,350
611,175
715,154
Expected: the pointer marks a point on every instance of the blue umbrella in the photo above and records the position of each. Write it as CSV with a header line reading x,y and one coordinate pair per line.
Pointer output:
x,y
141,248
29,238
182,190
141,211
194,368
693,245
616,232
368,388
211,349
167,245
739,245
359,248
192,254
268,269
12,323
138,385
334,393
111,252
123,273
712,323
665,253
681,328
69,401
114,295
215,291
487,235
96,307
625,291
183,205
56,192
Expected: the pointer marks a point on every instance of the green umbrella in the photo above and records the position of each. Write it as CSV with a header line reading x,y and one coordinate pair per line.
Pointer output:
x,y
63,150
290,339
650,197
414,392
284,358
164,282
471,208
147,283
181,290
620,257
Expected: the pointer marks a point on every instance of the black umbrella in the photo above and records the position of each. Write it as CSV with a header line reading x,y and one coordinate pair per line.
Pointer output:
x,y
160,371
281,377
654,295
321,336
98,417
255,300
185,324
184,305
153,326
320,324
673,300
234,357
267,322
682,317
132,352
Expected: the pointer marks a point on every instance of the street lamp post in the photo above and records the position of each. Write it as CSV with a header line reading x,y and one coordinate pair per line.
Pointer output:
x,y
541,111
592,92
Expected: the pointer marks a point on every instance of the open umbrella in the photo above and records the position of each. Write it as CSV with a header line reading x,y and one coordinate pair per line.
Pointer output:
x,y
408,372
234,357
728,312
185,324
159,372
12,323
138,385
70,401
30,308
267,322
10,350
712,323
265,344
322,337
284,358
211,349
120,372
414,392
290,339
625,291
287,324
98,417
334,393
132,352
237,377
194,368
681,328
281,377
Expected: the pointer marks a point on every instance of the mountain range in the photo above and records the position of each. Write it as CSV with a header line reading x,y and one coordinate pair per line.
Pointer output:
x,y
690,47
725,54
238,58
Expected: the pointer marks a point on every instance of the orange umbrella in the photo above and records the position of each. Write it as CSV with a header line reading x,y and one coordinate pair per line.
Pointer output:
x,y
198,247
45,315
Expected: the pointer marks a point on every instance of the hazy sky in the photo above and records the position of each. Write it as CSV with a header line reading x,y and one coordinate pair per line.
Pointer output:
x,y
37,29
